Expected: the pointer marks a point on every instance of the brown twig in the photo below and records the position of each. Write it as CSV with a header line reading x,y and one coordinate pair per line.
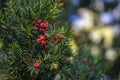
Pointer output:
x,y
32,53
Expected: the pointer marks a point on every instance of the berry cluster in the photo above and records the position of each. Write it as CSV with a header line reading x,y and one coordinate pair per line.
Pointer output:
x,y
37,64
42,39
57,39
40,25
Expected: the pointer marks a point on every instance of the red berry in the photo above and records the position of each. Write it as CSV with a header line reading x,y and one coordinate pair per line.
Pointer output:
x,y
42,37
69,79
39,21
42,25
37,65
85,60
52,41
46,36
60,35
57,41
38,40
46,24
43,43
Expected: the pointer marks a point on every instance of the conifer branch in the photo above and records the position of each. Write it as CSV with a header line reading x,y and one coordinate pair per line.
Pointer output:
x,y
32,52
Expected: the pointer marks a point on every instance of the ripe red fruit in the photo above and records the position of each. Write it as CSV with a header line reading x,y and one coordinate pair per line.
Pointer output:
x,y
57,41
46,24
60,35
69,79
43,43
46,36
37,65
52,41
38,40
85,60
43,25
39,21
42,37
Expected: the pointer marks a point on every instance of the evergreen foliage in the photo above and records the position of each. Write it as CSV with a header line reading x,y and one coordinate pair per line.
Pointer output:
x,y
29,60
